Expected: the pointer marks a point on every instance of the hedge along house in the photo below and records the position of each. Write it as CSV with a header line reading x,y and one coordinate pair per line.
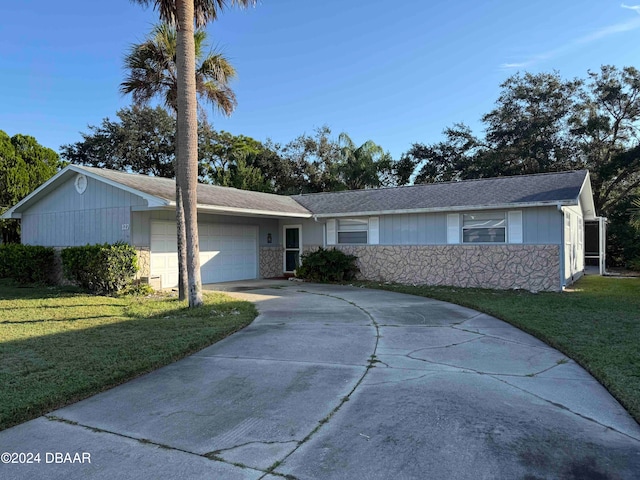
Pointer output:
x,y
509,232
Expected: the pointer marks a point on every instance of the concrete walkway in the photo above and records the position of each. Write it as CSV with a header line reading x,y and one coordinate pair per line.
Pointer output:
x,y
339,382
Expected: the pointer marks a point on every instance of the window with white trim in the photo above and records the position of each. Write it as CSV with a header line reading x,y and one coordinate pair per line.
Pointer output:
x,y
353,230
484,227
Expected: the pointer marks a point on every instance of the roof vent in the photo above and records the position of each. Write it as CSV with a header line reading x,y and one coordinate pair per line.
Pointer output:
x,y
81,183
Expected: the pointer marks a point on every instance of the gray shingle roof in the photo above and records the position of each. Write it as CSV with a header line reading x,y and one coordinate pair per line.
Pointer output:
x,y
208,195
522,189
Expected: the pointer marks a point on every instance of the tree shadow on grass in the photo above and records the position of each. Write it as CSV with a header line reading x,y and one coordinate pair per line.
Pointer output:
x,y
59,366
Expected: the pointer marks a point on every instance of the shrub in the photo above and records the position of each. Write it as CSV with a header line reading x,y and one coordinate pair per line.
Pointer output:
x,y
26,263
137,289
328,266
635,264
102,269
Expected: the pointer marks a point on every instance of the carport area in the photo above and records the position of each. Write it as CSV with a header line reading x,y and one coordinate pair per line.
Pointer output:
x,y
335,382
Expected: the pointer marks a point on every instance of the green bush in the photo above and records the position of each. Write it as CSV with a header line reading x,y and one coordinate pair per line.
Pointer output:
x,y
26,263
328,266
137,289
102,269
635,264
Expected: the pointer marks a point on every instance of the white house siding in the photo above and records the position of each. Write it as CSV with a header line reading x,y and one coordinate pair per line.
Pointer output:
x,y
65,218
573,258
541,226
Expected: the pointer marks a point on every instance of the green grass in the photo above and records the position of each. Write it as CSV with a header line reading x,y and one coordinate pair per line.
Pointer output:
x,y
597,324
58,346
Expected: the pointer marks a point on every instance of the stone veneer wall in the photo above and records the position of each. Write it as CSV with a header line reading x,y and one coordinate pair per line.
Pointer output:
x,y
272,258
310,248
530,267
144,263
270,262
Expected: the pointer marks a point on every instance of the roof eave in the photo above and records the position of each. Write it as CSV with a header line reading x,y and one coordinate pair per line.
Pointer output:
x,y
586,196
459,208
16,210
152,200
232,211
250,211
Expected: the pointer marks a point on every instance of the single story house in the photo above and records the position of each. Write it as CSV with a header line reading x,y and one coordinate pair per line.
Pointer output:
x,y
509,232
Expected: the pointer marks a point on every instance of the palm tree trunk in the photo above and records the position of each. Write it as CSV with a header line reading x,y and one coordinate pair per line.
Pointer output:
x,y
181,231
183,280
187,141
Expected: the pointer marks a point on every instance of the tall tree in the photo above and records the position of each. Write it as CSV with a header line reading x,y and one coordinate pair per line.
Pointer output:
x,y
142,141
231,160
165,65
606,125
24,166
366,166
311,163
542,123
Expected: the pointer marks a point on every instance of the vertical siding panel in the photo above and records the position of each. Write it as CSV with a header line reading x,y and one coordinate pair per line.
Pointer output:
x,y
440,228
413,229
405,229
422,228
396,230
430,226
542,225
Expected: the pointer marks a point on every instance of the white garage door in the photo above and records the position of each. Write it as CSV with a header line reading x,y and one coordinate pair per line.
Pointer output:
x,y
227,252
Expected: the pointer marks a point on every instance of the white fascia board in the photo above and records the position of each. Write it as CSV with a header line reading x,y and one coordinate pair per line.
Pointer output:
x,y
152,200
586,197
249,211
14,212
242,212
449,209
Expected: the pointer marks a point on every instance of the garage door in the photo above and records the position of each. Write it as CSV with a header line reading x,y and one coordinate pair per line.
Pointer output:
x,y
227,252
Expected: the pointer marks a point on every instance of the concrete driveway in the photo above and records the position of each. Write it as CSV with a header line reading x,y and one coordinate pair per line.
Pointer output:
x,y
337,382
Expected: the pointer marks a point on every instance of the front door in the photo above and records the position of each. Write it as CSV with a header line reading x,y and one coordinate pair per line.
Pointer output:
x,y
292,247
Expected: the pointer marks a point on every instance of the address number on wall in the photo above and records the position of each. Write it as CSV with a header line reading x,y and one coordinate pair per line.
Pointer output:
x,y
125,226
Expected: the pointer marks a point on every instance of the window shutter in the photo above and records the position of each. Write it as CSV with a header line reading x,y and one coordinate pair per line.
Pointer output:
x,y
453,228
331,232
374,230
514,223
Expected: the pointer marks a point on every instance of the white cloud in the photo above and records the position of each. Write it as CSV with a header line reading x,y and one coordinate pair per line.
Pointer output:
x,y
632,7
586,39
515,65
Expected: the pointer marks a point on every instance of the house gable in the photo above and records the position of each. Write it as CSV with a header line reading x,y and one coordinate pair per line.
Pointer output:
x,y
64,217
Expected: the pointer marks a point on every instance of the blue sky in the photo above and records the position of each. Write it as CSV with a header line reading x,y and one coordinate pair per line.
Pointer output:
x,y
393,72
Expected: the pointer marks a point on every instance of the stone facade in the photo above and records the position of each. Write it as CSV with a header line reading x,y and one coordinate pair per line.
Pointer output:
x,y
144,263
529,267
310,248
271,262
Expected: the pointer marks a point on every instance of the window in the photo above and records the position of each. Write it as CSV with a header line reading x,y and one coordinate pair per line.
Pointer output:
x,y
485,227
353,230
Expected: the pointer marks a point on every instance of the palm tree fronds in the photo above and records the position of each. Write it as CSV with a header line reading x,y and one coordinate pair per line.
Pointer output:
x,y
152,71
204,10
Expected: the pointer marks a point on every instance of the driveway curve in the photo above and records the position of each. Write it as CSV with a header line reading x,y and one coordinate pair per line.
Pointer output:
x,y
334,382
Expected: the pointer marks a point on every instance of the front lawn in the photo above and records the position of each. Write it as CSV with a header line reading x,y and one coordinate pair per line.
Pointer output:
x,y
58,346
597,324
